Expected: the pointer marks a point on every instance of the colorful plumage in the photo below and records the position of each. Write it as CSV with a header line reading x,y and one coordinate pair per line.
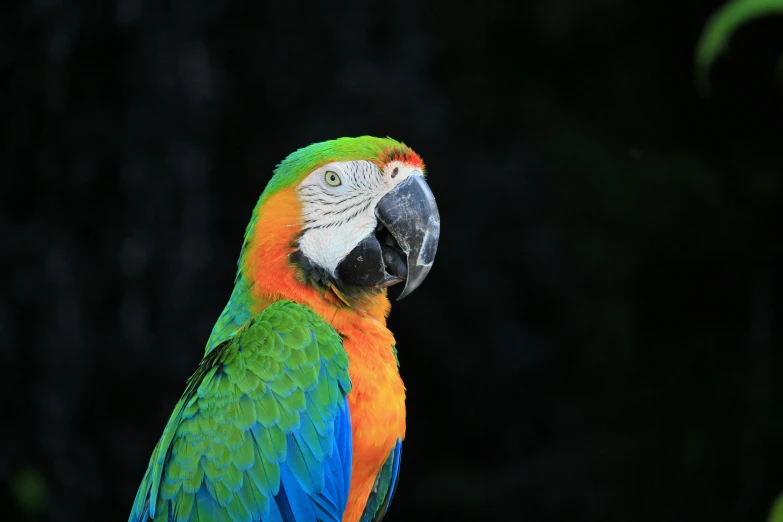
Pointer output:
x,y
296,413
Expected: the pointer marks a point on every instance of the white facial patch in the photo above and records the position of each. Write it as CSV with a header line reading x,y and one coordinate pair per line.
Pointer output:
x,y
338,207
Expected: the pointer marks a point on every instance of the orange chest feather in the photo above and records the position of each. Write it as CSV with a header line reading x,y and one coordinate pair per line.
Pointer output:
x,y
377,405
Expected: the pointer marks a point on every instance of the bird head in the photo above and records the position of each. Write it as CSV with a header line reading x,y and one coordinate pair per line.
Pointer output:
x,y
354,215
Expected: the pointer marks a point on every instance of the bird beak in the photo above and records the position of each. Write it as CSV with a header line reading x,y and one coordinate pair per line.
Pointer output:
x,y
410,215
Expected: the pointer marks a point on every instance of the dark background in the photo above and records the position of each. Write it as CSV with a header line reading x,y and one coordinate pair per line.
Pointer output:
x,y
600,337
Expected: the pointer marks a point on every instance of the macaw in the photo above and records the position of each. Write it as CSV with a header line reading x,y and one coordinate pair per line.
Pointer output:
x,y
296,413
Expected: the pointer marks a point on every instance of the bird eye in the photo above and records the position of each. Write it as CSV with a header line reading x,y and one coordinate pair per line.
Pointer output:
x,y
332,179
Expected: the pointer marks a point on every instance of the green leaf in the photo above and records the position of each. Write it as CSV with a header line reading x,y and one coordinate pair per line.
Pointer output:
x,y
721,26
776,513
29,488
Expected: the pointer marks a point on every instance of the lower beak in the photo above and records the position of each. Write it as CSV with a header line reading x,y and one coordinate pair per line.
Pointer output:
x,y
411,216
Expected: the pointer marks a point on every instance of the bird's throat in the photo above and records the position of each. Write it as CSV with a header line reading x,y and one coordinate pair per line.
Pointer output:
x,y
271,269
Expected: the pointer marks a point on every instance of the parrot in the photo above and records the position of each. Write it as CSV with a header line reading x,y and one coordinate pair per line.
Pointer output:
x,y
296,412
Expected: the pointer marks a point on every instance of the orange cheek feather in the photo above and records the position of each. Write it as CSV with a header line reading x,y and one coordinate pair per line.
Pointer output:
x,y
377,400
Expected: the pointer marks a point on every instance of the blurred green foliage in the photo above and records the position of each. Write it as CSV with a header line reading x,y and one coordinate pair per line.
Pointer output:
x,y
776,513
30,491
721,26
764,184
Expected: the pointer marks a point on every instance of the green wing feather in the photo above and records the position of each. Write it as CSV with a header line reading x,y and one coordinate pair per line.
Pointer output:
x,y
260,415
383,490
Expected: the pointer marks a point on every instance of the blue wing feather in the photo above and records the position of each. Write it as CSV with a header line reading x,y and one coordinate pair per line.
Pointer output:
x,y
397,454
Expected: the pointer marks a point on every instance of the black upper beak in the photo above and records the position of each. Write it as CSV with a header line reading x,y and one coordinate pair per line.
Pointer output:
x,y
411,216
